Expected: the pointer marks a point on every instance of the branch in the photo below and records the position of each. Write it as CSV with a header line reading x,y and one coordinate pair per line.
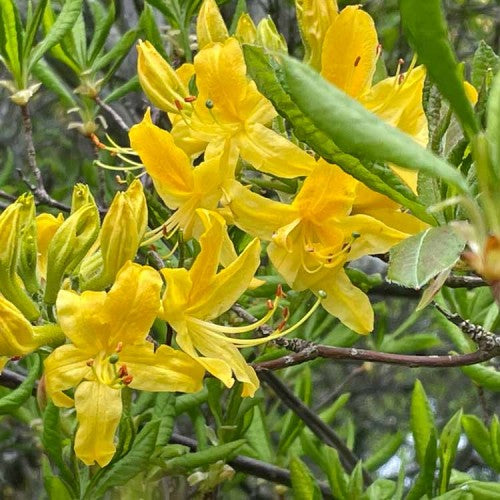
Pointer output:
x,y
254,467
7,196
118,119
321,430
38,189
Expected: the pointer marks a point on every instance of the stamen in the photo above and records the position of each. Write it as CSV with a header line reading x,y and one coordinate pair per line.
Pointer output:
x,y
178,104
279,291
190,98
15,358
127,380
90,362
122,371
119,347
356,61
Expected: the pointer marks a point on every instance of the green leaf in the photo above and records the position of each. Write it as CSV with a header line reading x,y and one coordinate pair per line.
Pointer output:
x,y
380,179
493,128
495,439
190,461
423,485
485,376
416,260
413,342
302,482
479,437
335,473
385,451
52,440
329,413
131,85
355,487
257,436
164,413
484,60
421,422
135,461
43,72
356,130
11,38
448,443
103,21
380,489
32,28
64,22
425,27
187,401
54,486
147,24
20,395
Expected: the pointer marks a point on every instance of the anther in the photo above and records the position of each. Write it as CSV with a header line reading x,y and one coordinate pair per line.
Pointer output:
x,y
209,103
270,304
113,359
89,362
285,312
356,61
127,379
279,291
355,234
378,50
122,371
322,294
190,98
119,347
401,79
401,61
15,358
178,104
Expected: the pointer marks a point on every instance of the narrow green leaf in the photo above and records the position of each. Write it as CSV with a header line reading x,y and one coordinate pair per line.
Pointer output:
x,y
329,414
11,38
479,437
135,461
414,342
425,27
18,396
484,376
424,484
103,21
131,85
385,451
421,422
54,486
380,489
185,402
357,131
493,128
52,439
355,488
114,57
302,482
416,260
379,178
191,461
257,436
448,443
484,60
495,439
32,28
43,72
335,473
167,9
164,412
64,22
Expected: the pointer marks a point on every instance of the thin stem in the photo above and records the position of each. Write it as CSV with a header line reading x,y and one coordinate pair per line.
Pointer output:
x,y
38,189
116,117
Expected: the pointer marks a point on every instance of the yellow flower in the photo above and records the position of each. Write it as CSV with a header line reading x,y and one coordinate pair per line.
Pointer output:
x,y
313,238
122,230
229,111
18,337
46,227
109,350
350,50
195,297
246,32
210,26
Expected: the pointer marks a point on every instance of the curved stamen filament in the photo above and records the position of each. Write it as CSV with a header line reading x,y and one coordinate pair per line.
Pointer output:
x,y
113,167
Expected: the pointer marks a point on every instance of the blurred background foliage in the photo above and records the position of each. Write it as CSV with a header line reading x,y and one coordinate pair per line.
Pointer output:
x,y
368,405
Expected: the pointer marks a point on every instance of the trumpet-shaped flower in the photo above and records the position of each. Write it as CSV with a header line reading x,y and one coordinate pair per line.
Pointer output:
x,y
350,50
46,227
195,297
229,111
109,351
313,238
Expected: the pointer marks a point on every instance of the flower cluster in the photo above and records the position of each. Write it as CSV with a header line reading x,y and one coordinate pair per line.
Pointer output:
x,y
72,283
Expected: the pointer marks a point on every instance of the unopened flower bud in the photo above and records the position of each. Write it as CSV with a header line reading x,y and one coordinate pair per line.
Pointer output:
x,y
269,37
246,32
210,26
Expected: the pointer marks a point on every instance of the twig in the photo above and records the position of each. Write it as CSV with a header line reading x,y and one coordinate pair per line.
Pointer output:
x,y
118,119
7,196
38,189
254,467
13,380
326,434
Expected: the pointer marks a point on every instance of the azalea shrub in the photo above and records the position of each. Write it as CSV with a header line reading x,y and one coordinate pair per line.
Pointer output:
x,y
234,265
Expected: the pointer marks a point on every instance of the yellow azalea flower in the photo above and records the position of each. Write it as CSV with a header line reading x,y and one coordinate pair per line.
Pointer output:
x,y
46,227
18,337
121,233
210,26
180,185
108,351
229,111
349,56
313,238
195,297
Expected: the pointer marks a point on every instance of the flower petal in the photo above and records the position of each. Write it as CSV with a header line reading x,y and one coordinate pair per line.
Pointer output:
x,y
166,369
167,164
227,285
270,152
176,296
346,302
349,53
132,304
210,26
98,409
65,368
259,216
16,332
46,227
